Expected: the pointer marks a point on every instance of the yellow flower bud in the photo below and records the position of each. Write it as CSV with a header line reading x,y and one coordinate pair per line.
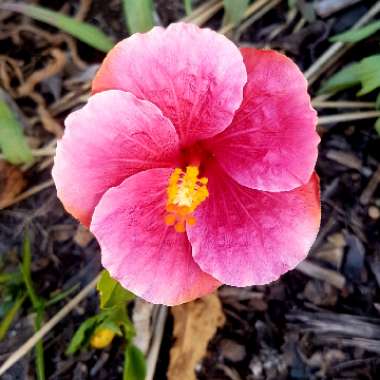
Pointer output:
x,y
102,337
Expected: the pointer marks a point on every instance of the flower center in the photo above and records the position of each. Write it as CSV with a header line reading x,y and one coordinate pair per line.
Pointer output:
x,y
186,191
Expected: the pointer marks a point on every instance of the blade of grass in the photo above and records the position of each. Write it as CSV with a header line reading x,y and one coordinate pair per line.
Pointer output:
x,y
25,270
12,141
356,35
37,303
40,361
7,320
83,31
234,11
138,15
60,296
188,7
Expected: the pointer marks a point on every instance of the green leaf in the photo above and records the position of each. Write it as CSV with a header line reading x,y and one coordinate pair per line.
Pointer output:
x,y
355,35
134,364
366,72
83,334
12,140
377,126
139,15
111,293
346,78
83,31
369,74
7,321
234,11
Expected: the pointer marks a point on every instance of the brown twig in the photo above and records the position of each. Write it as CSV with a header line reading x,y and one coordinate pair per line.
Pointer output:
x,y
342,104
26,194
323,120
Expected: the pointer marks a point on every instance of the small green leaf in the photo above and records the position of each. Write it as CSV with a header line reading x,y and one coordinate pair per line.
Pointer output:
x,y
366,72
111,293
7,320
134,364
12,140
369,74
346,78
377,126
234,11
139,15
355,35
83,334
83,31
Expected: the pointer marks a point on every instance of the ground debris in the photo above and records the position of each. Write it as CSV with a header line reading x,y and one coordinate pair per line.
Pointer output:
x,y
12,182
195,323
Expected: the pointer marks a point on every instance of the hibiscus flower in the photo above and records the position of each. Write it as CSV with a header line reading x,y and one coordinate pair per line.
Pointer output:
x,y
193,164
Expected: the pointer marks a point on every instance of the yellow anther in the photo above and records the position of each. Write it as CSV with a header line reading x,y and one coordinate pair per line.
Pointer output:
x,y
186,191
102,337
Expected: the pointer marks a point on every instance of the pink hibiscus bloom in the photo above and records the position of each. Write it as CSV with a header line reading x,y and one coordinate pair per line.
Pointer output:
x,y
192,163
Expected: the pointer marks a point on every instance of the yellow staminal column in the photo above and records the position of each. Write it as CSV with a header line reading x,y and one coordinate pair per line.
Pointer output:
x,y
186,191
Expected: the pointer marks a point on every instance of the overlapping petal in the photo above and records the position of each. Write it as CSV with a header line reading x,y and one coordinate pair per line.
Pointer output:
x,y
271,144
139,250
248,237
195,76
112,137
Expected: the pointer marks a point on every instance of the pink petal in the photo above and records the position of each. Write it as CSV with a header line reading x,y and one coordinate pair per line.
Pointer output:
x,y
112,137
195,76
248,237
139,250
272,142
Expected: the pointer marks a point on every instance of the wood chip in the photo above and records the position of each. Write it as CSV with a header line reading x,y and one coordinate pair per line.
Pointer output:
x,y
374,212
11,183
344,158
195,323
332,255
315,271
337,239
232,350
368,192
326,8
